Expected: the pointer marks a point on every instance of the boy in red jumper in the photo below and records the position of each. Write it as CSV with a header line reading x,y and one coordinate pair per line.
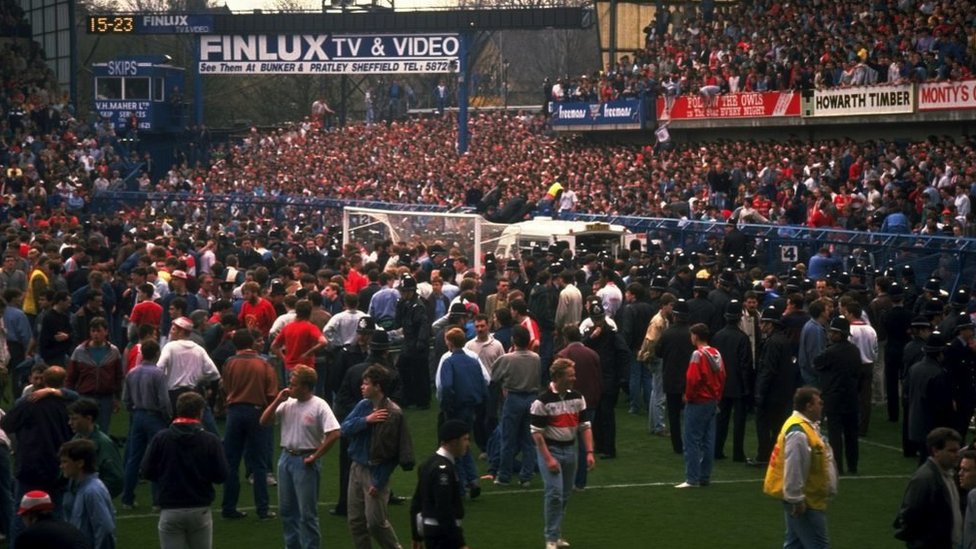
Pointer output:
x,y
704,382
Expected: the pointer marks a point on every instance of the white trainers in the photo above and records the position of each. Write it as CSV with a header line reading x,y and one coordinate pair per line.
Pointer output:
x,y
686,485
552,545
562,543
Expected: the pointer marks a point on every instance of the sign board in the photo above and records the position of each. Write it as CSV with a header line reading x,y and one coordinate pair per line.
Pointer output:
x,y
872,100
937,96
328,54
150,24
788,254
732,105
622,114
119,110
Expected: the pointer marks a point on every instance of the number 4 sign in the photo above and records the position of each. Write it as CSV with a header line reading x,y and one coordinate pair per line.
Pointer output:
x,y
787,254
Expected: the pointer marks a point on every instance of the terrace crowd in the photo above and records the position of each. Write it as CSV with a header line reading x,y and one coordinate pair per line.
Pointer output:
x,y
769,45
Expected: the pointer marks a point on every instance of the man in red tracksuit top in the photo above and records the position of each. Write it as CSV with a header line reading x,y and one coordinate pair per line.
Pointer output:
x,y
704,382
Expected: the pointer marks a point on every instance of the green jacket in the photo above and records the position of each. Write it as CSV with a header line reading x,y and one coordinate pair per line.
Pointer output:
x,y
108,461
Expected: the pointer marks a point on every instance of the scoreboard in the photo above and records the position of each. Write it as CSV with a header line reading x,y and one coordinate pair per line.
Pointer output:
x,y
150,24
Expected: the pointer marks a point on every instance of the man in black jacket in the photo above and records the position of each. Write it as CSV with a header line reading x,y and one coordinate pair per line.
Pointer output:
x,y
54,341
838,367
776,379
675,348
929,394
437,506
632,319
411,319
960,362
897,323
615,360
41,428
913,352
733,344
185,461
930,516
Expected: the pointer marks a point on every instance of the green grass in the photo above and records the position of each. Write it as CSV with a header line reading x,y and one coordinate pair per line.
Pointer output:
x,y
630,501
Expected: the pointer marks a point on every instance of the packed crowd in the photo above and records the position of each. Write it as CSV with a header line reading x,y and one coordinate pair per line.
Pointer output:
x,y
86,295
156,325
922,187
768,45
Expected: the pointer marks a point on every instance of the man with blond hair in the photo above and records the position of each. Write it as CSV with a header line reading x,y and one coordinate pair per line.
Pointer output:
x,y
308,430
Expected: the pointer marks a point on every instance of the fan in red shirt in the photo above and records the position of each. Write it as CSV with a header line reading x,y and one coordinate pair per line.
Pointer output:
x,y
842,199
820,214
146,311
355,280
520,311
257,312
299,340
762,205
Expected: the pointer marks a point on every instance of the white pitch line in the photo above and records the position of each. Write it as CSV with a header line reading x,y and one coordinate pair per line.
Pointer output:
x,y
879,445
509,492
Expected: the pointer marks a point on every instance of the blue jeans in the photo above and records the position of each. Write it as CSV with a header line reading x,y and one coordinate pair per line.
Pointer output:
x,y
210,422
699,441
516,436
656,412
298,499
556,488
245,437
105,405
639,386
142,429
581,472
808,531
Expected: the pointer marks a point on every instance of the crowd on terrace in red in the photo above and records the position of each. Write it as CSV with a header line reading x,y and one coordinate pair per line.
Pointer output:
x,y
710,48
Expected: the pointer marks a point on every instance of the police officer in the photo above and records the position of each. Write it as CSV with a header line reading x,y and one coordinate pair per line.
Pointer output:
x,y
411,320
776,376
437,506
838,370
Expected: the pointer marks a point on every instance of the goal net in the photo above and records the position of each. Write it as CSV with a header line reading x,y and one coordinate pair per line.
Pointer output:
x,y
469,233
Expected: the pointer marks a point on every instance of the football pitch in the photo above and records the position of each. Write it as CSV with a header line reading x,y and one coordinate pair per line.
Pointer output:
x,y
630,501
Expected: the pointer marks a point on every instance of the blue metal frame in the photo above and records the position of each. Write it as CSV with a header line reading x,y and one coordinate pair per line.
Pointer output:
x,y
954,259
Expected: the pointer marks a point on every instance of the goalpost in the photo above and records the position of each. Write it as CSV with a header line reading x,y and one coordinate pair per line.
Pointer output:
x,y
470,233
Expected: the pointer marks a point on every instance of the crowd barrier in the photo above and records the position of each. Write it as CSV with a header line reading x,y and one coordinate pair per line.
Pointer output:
x,y
775,248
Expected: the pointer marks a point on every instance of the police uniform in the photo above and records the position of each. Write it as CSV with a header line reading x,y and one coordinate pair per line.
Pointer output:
x,y
411,318
437,506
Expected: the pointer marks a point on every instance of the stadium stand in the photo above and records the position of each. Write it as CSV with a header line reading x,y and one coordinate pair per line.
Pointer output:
x,y
768,45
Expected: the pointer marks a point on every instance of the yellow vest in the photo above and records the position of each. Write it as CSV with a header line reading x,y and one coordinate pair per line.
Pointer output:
x,y
816,489
30,300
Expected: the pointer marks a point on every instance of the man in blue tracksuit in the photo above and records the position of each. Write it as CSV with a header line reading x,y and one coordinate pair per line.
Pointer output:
x,y
462,386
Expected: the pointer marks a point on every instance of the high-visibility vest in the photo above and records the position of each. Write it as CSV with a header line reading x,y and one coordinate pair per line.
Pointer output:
x,y
816,489
30,300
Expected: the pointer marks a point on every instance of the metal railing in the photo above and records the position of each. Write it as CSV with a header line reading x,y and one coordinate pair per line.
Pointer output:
x,y
775,248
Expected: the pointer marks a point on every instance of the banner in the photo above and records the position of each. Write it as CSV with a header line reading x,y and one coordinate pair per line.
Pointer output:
x,y
862,101
622,114
733,105
328,54
937,96
174,24
119,111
